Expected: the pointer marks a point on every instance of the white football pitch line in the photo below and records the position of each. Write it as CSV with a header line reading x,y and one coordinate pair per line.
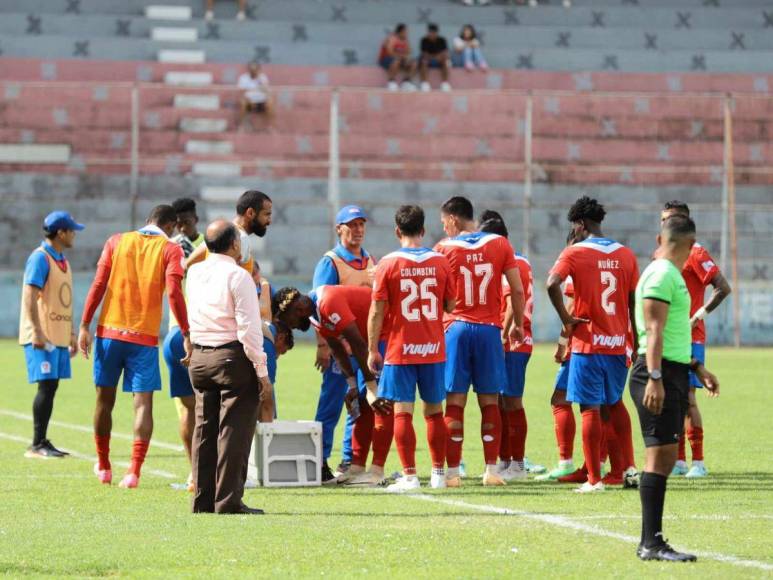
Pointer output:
x,y
93,459
564,522
556,520
89,430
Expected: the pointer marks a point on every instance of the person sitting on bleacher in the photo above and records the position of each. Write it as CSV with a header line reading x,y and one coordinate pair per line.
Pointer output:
x,y
434,54
255,98
210,5
395,57
467,51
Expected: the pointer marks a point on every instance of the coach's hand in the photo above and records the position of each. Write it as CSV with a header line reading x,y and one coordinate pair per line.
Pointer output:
x,y
654,395
39,339
186,360
708,380
73,345
323,358
375,362
84,342
379,404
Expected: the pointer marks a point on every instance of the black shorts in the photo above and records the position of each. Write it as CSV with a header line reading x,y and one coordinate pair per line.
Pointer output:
x,y
666,428
256,107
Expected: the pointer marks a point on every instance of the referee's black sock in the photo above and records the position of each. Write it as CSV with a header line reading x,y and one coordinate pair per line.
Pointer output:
x,y
652,490
42,407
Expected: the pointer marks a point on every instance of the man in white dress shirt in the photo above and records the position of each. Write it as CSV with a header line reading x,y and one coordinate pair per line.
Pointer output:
x,y
228,372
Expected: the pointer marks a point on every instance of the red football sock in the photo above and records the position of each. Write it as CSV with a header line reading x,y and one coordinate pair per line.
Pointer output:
x,y
621,421
490,432
695,436
563,418
405,438
517,433
603,452
139,450
383,430
454,414
681,453
362,434
103,450
591,443
616,462
436,437
505,454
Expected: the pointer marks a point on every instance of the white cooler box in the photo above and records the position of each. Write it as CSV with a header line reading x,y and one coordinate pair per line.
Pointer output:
x,y
287,454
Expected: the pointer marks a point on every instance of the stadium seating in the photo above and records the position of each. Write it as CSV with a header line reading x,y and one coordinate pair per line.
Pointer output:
x,y
627,104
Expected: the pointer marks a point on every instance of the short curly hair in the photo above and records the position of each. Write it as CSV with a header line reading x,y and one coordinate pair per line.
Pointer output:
x,y
679,206
283,299
586,208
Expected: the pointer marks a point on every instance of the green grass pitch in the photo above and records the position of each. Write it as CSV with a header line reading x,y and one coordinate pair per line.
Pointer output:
x,y
55,519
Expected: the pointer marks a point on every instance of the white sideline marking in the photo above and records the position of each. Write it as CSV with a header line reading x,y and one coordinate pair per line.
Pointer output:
x,y
92,459
564,522
712,517
82,429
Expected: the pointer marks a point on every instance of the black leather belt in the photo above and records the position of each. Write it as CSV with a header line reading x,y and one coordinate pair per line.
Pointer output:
x,y
232,344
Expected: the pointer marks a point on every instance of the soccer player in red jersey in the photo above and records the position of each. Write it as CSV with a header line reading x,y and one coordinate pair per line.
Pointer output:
x,y
604,274
514,426
473,331
340,315
699,271
414,285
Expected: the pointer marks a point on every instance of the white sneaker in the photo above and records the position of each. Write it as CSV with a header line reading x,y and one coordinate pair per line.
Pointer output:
x,y
240,15
408,86
437,481
513,472
251,483
392,86
588,487
405,484
462,470
631,478
209,15
425,88
567,3
532,2
445,87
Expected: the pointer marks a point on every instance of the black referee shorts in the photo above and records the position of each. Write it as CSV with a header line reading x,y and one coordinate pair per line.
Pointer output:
x,y
666,428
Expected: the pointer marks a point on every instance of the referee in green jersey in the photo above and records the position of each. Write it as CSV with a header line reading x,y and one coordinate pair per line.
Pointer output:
x,y
660,380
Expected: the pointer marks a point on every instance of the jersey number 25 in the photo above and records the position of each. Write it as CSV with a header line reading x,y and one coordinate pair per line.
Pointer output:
x,y
422,292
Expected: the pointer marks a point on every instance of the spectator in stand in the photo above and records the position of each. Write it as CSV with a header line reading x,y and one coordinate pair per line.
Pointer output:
x,y
434,54
256,97
467,51
395,57
566,3
210,6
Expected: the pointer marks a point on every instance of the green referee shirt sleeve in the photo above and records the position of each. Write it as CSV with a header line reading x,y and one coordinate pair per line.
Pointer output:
x,y
658,285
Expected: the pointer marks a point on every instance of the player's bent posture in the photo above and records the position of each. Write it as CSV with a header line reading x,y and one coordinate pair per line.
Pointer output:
x,y
660,379
278,339
604,274
512,450
133,272
412,285
700,270
180,388
340,314
45,324
473,331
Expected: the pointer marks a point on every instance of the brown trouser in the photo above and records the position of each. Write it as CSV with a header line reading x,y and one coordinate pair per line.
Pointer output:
x,y
227,400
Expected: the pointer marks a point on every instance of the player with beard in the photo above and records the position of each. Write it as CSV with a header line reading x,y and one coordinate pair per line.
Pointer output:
x,y
253,217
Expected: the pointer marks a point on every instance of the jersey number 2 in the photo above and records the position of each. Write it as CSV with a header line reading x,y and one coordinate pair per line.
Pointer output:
x,y
608,279
421,292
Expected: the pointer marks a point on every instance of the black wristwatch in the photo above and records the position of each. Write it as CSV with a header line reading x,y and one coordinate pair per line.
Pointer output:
x,y
655,375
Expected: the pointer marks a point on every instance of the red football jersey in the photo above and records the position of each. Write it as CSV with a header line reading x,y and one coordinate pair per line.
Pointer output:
x,y
527,281
604,273
414,282
478,261
339,306
698,272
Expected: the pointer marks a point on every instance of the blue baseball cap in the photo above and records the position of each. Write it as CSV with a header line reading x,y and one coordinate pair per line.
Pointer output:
x,y
350,213
61,220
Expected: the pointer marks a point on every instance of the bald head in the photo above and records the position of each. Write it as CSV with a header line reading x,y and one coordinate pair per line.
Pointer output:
x,y
678,230
220,237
